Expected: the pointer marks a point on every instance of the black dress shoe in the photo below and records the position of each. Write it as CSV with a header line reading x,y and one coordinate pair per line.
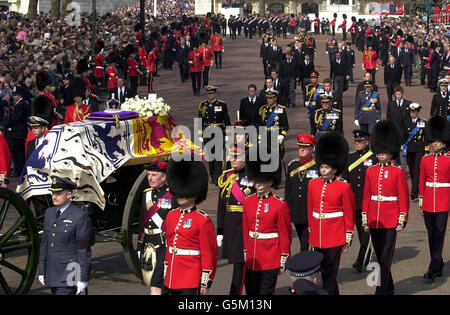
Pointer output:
x,y
439,274
430,275
357,267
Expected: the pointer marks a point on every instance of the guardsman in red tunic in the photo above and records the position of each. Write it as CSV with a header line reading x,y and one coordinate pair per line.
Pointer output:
x,y
386,199
151,67
133,69
207,58
217,47
99,72
195,61
370,60
112,73
234,188
344,27
43,82
191,255
77,111
5,161
331,207
352,29
434,191
267,232
333,24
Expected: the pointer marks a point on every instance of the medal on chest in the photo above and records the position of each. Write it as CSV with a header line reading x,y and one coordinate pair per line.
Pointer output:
x,y
386,174
266,208
187,224
368,163
165,203
217,109
312,174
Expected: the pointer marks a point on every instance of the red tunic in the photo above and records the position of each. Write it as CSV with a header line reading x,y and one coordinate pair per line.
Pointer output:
x,y
267,231
99,71
434,183
5,157
132,67
189,231
386,196
344,25
55,103
112,77
195,61
331,212
216,43
207,55
74,113
370,60
151,62
333,22
143,56
352,28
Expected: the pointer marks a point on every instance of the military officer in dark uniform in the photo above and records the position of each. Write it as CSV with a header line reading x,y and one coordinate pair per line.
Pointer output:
x,y
440,104
367,108
214,113
300,172
65,254
234,188
413,147
326,119
157,201
355,173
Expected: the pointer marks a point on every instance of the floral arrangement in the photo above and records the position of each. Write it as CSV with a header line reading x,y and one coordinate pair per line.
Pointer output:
x,y
146,107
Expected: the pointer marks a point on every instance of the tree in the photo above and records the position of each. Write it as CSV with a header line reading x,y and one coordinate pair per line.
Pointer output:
x,y
56,8
32,9
65,3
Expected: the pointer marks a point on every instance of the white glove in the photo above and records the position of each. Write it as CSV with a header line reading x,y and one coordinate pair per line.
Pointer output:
x,y
41,280
226,138
201,140
81,286
356,122
280,138
138,254
219,240
306,104
223,50
326,52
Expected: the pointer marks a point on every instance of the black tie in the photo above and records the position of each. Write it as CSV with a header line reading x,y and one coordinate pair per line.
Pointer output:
x,y
58,213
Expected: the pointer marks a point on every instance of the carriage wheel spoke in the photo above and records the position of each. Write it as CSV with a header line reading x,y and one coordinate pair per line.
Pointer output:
x,y
5,285
13,268
13,228
3,211
16,247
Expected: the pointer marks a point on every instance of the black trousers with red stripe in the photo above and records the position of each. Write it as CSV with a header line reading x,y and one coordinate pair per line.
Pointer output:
x,y
261,282
436,224
330,268
383,241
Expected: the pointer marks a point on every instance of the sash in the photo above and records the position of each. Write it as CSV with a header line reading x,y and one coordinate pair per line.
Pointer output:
x,y
272,117
238,193
330,43
302,168
325,125
368,103
153,211
411,135
360,160
309,42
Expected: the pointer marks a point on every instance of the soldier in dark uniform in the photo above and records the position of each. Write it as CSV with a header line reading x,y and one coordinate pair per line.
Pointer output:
x,y
310,45
214,113
355,173
440,104
65,244
413,147
157,201
300,172
367,108
326,119
234,187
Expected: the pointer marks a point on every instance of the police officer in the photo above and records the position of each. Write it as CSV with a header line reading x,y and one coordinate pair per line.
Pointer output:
x,y
65,242
267,233
191,255
214,113
367,108
234,187
300,172
326,119
355,173
386,200
434,191
413,147
331,207
157,201
305,268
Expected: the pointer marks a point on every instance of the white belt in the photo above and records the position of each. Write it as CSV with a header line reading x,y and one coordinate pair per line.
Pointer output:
x,y
331,215
98,67
383,198
262,235
152,231
430,184
183,252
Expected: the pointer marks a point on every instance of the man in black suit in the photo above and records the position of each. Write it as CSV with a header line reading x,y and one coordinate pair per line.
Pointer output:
x,y
264,54
16,129
249,107
396,53
274,55
279,85
397,110
392,76
435,67
407,62
350,60
440,102
288,73
339,69
182,59
122,90
305,68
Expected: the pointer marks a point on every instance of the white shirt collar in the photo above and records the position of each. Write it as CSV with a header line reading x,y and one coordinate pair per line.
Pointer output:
x,y
64,208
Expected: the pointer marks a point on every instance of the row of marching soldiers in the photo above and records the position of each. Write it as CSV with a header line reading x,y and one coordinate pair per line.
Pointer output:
x,y
328,192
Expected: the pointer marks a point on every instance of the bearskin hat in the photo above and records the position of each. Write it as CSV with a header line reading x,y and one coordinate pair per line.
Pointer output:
x,y
344,16
42,80
334,14
332,150
386,138
400,33
77,87
255,173
188,179
82,66
130,49
138,27
99,46
164,30
203,38
410,39
438,129
112,58
42,107
353,19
